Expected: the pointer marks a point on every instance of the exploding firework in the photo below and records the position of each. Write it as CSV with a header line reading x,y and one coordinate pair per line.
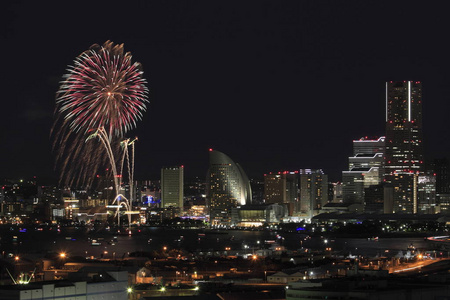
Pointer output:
x,y
103,89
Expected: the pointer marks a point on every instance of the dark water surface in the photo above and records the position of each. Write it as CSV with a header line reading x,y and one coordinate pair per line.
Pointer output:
x,y
78,241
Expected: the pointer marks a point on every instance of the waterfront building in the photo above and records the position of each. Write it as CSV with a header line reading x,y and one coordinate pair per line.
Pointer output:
x,y
404,147
71,207
374,199
227,187
282,188
313,192
342,208
441,168
149,193
335,192
426,193
257,191
258,215
172,185
366,168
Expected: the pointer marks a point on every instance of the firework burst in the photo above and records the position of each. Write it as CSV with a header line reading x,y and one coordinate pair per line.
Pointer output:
x,y
105,89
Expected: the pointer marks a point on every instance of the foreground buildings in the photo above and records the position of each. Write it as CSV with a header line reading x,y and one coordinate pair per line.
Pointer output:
x,y
82,285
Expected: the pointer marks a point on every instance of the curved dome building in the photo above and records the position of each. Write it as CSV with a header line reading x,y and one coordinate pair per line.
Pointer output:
x,y
227,187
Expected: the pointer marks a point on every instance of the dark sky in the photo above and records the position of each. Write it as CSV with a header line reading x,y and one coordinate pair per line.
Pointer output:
x,y
273,84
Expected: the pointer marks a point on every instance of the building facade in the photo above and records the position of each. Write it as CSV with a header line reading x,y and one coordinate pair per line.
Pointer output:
x,y
282,188
404,143
227,187
313,191
258,215
366,168
441,168
172,185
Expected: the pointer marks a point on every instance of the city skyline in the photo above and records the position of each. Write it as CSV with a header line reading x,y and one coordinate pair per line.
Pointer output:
x,y
275,86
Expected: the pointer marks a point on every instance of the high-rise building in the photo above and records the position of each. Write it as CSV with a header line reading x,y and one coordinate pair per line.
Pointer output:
x,y
374,199
257,186
426,193
366,168
313,191
282,188
335,192
404,149
441,168
227,187
172,185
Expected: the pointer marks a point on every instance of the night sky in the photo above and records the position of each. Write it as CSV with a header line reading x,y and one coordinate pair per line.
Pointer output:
x,y
276,85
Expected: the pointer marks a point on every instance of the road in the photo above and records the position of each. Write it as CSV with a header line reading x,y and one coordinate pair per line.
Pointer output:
x,y
415,266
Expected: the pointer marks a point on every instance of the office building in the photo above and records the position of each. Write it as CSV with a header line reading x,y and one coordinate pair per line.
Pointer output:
x,y
172,185
335,192
257,186
441,169
374,199
313,192
426,193
282,188
366,168
404,149
227,187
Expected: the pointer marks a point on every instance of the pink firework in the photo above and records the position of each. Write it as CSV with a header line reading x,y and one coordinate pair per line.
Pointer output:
x,y
103,89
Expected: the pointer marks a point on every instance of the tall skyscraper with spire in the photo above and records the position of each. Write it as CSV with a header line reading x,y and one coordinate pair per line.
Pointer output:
x,y
404,143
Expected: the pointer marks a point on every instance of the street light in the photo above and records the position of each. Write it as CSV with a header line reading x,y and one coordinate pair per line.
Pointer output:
x,y
130,293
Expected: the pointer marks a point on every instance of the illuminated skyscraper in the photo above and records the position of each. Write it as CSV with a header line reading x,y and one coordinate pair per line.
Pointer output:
x,y
227,187
172,184
313,191
404,150
366,168
282,188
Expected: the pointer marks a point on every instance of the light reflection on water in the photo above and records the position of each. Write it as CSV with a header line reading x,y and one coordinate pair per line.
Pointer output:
x,y
156,238
152,238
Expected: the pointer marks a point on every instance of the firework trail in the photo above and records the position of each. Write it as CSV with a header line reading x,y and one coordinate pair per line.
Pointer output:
x,y
104,89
